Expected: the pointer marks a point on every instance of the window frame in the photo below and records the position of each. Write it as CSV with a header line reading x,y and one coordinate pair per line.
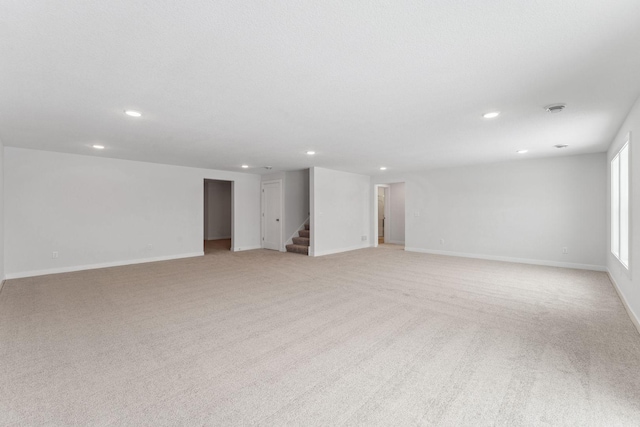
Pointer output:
x,y
619,188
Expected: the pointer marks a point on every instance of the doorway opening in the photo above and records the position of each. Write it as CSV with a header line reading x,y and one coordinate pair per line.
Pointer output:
x,y
381,213
218,198
389,215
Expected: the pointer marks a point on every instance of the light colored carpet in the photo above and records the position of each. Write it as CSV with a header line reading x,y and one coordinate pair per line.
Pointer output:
x,y
370,337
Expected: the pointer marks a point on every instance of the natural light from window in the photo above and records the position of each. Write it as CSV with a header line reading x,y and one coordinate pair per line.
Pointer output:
x,y
620,205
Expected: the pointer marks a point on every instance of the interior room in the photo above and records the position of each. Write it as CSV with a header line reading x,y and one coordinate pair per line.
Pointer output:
x,y
330,213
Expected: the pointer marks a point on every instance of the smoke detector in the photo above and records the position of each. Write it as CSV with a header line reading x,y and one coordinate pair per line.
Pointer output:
x,y
555,108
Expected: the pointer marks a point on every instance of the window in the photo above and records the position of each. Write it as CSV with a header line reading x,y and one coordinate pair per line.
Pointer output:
x,y
620,205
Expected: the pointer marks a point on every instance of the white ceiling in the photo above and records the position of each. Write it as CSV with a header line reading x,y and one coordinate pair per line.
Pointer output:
x,y
365,84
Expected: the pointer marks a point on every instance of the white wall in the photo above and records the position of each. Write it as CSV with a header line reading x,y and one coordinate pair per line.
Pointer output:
x,y
628,283
98,211
524,210
397,213
2,227
217,210
340,214
273,176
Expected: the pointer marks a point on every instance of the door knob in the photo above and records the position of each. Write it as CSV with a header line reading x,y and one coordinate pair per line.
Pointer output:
x,y
278,219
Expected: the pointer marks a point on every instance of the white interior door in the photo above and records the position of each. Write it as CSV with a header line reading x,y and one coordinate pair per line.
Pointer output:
x,y
272,215
387,215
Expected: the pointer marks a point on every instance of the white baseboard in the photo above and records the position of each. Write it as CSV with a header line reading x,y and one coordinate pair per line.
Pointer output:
x,y
510,259
217,237
34,273
337,251
246,248
632,315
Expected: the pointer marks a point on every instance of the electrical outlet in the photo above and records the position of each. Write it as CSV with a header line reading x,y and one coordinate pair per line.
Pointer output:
x,y
54,254
442,241
565,250
364,238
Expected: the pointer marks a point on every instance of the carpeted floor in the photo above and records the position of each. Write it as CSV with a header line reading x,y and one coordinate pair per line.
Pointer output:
x,y
370,337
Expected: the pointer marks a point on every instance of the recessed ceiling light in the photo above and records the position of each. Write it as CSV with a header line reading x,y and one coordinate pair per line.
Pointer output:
x,y
98,146
311,153
133,113
555,108
245,166
491,115
561,145
522,151
383,168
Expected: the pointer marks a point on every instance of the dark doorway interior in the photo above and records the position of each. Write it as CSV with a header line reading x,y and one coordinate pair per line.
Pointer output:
x,y
217,216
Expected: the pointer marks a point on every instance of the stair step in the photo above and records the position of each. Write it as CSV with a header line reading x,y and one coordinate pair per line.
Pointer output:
x,y
306,226
298,249
304,241
304,233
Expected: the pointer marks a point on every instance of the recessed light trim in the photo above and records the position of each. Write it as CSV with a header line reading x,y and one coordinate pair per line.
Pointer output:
x,y
98,146
491,114
383,168
132,113
522,151
245,166
311,152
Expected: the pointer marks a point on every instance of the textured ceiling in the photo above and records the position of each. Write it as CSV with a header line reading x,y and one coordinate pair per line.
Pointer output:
x,y
365,84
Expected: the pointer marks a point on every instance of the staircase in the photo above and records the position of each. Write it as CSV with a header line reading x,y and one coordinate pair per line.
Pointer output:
x,y
301,243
